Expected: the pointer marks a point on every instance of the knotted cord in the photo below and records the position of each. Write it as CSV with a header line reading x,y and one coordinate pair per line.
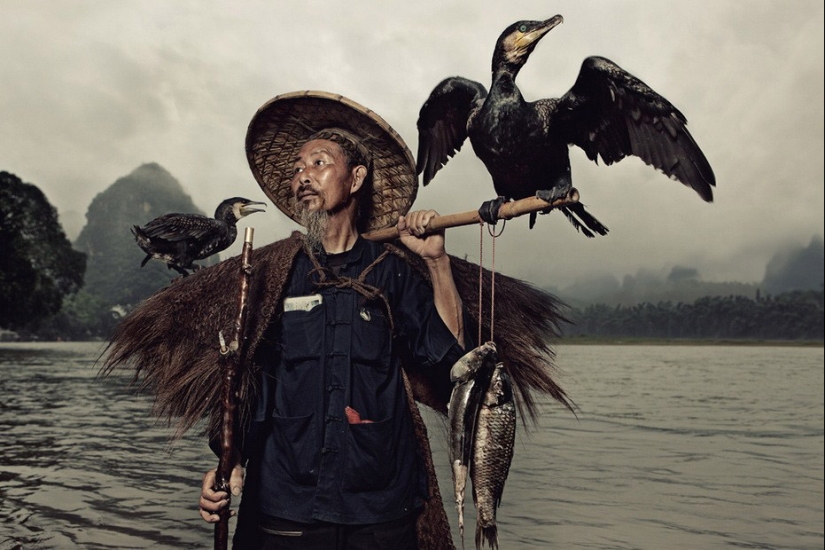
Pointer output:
x,y
327,279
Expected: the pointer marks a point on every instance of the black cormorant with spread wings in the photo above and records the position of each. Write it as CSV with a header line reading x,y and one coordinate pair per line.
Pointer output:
x,y
525,145
180,239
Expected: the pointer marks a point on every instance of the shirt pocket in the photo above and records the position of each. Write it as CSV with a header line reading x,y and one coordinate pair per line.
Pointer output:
x,y
296,448
302,334
371,456
370,337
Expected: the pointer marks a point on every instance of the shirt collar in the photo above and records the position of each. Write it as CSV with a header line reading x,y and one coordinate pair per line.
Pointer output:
x,y
352,255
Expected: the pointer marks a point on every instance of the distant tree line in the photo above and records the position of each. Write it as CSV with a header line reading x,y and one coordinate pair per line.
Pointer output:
x,y
38,265
50,290
796,315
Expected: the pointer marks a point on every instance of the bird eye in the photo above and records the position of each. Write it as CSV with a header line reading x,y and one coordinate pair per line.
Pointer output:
x,y
522,28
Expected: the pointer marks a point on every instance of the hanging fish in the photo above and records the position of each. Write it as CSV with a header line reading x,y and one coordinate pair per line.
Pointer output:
x,y
493,444
470,376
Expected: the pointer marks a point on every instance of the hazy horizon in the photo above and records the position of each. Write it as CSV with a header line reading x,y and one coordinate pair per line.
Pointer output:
x,y
95,89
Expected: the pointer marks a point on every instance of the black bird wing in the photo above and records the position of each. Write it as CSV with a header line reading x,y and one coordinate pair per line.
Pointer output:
x,y
186,227
612,114
442,122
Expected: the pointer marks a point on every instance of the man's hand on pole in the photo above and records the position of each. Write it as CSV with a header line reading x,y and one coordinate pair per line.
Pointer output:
x,y
211,501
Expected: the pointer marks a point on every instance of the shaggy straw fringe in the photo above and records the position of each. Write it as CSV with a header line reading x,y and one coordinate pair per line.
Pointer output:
x,y
171,341
528,321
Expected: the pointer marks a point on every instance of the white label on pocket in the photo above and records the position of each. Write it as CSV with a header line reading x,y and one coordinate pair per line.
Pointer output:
x,y
302,303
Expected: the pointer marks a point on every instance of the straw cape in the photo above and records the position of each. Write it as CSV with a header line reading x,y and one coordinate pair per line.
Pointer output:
x,y
171,341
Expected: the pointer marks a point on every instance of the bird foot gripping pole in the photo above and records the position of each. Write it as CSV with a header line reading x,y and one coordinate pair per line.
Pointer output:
x,y
507,211
231,363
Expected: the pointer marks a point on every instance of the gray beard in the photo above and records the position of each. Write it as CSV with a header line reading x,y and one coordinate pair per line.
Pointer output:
x,y
315,224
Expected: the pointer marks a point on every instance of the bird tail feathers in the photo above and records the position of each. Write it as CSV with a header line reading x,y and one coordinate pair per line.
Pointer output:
x,y
583,220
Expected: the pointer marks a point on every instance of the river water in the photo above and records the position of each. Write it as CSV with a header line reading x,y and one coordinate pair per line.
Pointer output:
x,y
673,447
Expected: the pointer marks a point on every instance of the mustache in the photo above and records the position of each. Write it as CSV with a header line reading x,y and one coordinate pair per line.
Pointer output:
x,y
304,190
296,201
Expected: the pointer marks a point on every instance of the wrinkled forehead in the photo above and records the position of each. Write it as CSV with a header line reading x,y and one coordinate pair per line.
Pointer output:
x,y
318,147
351,144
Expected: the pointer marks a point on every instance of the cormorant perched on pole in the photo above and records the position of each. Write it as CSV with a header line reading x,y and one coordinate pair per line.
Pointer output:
x,y
180,239
525,145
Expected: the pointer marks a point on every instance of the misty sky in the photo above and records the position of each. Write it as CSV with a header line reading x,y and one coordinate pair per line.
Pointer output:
x,y
93,89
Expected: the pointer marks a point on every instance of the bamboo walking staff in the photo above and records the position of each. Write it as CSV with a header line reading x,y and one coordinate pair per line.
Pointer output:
x,y
232,355
508,210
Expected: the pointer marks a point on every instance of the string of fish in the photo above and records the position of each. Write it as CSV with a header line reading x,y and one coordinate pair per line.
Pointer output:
x,y
482,422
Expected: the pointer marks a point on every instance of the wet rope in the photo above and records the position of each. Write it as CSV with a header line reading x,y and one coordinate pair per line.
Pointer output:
x,y
494,236
480,278
493,284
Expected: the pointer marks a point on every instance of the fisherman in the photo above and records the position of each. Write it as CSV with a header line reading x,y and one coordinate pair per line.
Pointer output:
x,y
343,338
331,455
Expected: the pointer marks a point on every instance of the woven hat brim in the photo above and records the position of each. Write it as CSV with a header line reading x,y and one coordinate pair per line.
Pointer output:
x,y
282,125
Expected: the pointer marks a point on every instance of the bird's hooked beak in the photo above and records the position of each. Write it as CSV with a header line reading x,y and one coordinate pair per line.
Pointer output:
x,y
528,39
250,208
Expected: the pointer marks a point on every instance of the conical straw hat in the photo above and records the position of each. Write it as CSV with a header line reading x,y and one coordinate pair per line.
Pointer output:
x,y
282,125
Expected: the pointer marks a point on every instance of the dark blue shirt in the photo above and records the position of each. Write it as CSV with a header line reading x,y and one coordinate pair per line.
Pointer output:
x,y
346,351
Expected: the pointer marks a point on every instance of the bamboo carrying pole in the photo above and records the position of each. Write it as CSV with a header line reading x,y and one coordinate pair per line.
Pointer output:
x,y
508,210
232,355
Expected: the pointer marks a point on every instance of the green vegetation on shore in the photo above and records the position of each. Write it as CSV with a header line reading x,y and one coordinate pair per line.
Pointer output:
x,y
791,316
636,341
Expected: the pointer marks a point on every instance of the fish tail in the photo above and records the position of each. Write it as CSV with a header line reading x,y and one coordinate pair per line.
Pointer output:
x,y
487,534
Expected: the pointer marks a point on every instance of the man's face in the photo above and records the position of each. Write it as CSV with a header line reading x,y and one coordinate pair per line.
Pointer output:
x,y
321,177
